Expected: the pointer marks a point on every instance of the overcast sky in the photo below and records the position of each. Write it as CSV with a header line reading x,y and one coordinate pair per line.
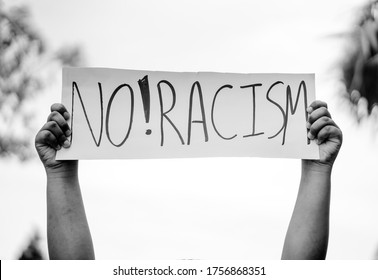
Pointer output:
x,y
227,208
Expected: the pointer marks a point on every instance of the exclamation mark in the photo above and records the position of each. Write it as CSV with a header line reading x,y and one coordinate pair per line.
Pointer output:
x,y
145,91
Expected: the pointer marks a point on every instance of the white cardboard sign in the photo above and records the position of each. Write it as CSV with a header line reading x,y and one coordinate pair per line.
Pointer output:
x,y
118,114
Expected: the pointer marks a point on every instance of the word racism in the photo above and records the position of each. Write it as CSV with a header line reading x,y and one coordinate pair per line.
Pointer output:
x,y
144,114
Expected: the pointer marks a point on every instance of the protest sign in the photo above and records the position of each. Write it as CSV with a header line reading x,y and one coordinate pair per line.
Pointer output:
x,y
119,114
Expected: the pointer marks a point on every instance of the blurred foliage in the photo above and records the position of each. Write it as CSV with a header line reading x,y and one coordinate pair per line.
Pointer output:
x,y
32,250
360,66
25,62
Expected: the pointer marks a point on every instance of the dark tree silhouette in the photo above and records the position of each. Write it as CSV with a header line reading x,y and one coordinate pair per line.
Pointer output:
x,y
360,67
32,250
24,62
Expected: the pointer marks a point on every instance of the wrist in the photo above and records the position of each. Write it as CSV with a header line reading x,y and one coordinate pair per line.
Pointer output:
x,y
313,166
64,169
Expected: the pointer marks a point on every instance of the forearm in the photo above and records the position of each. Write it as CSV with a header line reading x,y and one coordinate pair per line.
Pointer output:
x,y
307,235
67,227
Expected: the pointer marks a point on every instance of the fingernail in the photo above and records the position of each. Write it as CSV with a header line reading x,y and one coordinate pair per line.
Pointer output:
x,y
308,125
309,110
310,136
66,144
68,132
58,147
66,115
318,142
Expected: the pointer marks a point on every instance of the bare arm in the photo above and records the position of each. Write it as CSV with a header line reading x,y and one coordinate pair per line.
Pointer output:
x,y
68,232
307,235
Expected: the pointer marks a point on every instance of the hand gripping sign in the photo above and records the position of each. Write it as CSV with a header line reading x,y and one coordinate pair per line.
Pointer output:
x,y
118,114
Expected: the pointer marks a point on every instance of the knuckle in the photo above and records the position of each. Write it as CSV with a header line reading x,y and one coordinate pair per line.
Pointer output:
x,y
40,136
311,118
322,103
55,107
327,129
53,124
325,120
52,116
44,136
58,118
323,111
51,138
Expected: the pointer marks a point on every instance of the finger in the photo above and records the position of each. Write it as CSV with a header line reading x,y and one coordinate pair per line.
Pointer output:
x,y
317,114
60,108
61,121
315,105
318,125
55,129
47,137
330,132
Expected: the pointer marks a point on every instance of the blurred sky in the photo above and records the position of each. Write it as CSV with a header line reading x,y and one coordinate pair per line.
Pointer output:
x,y
233,208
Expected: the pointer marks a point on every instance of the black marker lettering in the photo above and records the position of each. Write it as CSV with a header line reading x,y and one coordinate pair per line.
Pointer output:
x,y
164,114
279,107
74,86
203,121
145,92
253,109
131,113
212,113
289,100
